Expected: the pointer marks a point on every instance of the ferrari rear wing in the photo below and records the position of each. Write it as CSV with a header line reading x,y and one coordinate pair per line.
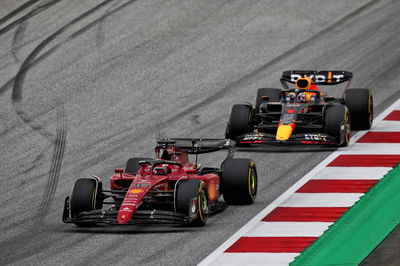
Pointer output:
x,y
199,145
323,77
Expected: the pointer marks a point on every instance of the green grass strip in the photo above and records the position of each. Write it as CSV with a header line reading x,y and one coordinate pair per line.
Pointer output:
x,y
356,234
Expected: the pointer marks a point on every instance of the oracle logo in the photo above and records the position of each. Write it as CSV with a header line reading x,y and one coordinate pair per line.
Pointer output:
x,y
317,78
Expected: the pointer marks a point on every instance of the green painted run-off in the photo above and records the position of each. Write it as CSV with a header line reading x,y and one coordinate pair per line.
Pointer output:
x,y
350,239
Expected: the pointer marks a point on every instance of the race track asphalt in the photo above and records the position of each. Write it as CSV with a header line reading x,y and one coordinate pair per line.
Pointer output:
x,y
84,85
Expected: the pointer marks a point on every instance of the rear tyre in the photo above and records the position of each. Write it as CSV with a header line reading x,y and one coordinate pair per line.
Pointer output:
x,y
361,108
192,198
85,197
133,166
239,181
240,121
337,124
273,94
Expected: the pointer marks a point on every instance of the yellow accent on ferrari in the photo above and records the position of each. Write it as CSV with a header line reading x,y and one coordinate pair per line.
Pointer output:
x,y
284,132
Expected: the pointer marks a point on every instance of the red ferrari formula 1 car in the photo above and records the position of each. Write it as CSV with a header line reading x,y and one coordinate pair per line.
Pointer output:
x,y
302,114
168,189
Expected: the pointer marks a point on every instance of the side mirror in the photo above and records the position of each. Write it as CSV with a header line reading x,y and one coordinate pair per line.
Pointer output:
x,y
119,171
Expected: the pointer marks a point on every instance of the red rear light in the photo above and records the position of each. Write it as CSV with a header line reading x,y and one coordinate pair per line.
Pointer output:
x,y
290,111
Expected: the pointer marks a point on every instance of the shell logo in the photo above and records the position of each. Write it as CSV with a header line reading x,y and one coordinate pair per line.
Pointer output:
x,y
136,190
213,191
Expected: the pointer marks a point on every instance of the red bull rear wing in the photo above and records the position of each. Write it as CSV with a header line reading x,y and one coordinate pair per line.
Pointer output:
x,y
323,77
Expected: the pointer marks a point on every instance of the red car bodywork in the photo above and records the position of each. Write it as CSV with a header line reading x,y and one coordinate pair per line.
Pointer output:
x,y
148,192
148,179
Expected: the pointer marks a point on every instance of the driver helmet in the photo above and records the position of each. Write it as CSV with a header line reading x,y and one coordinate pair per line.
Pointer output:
x,y
301,97
304,83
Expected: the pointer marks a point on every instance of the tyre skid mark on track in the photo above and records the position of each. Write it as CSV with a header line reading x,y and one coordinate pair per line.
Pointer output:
x,y
55,168
42,57
60,139
17,10
22,25
18,37
39,9
23,69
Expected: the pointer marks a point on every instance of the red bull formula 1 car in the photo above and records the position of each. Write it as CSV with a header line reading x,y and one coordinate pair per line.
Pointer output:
x,y
168,189
302,114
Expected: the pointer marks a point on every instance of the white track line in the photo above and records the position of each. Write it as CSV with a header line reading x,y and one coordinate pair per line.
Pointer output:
x,y
254,259
374,148
352,173
218,257
389,126
321,200
283,229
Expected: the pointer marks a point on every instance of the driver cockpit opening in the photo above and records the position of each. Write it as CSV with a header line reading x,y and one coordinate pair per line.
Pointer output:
x,y
171,153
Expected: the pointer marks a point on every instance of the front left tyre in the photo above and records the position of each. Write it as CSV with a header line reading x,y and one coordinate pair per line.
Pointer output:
x,y
361,108
337,124
85,197
240,121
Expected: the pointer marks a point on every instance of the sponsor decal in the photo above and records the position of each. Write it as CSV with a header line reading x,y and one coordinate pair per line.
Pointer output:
x,y
315,137
318,78
136,190
141,185
287,118
253,137
130,200
213,190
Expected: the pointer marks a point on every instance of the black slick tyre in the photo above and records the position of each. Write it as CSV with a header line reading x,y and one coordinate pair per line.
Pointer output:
x,y
267,95
240,121
85,197
239,181
192,199
132,165
361,108
337,124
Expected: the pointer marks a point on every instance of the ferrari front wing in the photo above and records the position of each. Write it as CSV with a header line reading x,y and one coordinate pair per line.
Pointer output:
x,y
110,216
